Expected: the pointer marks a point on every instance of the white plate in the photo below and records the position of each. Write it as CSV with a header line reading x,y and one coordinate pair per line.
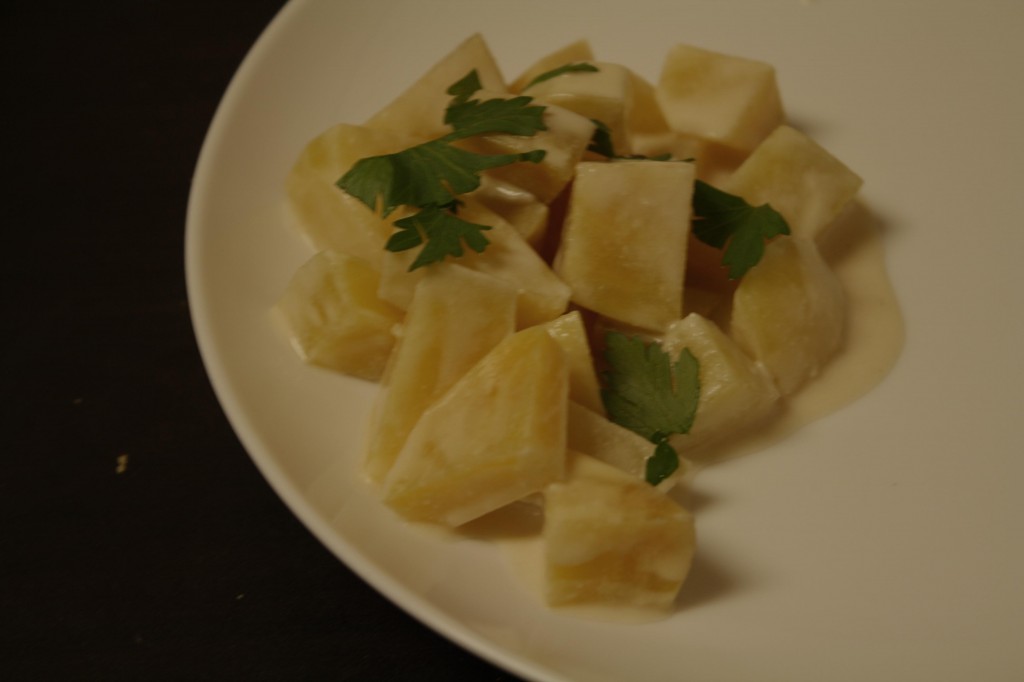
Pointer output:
x,y
884,542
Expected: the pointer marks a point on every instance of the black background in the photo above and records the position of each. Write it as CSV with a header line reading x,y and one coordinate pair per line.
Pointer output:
x,y
184,565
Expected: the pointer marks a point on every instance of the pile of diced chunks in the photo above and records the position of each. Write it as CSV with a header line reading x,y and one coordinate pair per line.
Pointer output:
x,y
489,364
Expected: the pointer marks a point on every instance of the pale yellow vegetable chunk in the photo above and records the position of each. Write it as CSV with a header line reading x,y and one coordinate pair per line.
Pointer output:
x,y
724,98
570,333
638,114
613,540
439,342
497,436
789,312
573,53
714,163
623,249
735,392
616,445
519,208
799,178
604,95
643,115
419,110
334,319
564,143
330,218
614,95
542,295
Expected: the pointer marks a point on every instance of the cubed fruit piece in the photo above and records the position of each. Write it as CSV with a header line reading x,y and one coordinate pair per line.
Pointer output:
x,y
727,99
419,110
573,53
497,436
570,333
334,319
643,115
603,95
789,312
616,445
714,162
613,540
564,143
329,217
520,208
735,392
799,178
623,249
542,295
456,317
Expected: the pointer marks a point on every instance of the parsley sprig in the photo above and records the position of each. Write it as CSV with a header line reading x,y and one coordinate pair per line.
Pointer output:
x,y
728,222
652,396
430,176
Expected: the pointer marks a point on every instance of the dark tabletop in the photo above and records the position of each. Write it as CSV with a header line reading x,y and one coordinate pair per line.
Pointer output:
x,y
137,539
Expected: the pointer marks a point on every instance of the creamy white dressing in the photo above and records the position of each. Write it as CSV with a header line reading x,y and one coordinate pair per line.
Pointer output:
x,y
873,341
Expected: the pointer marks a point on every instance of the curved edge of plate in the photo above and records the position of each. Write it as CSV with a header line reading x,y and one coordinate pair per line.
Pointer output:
x,y
212,358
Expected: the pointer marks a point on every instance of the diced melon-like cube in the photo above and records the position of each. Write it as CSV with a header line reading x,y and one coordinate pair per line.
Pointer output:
x,y
714,162
727,99
497,436
334,319
616,445
613,540
735,392
789,312
573,53
570,333
542,295
520,208
604,95
623,249
799,178
643,115
620,98
456,317
329,217
419,110
564,143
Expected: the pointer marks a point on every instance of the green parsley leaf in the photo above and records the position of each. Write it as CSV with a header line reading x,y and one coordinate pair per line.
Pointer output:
x,y
601,142
726,220
429,174
513,116
662,464
567,68
646,392
432,174
650,395
464,88
443,231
